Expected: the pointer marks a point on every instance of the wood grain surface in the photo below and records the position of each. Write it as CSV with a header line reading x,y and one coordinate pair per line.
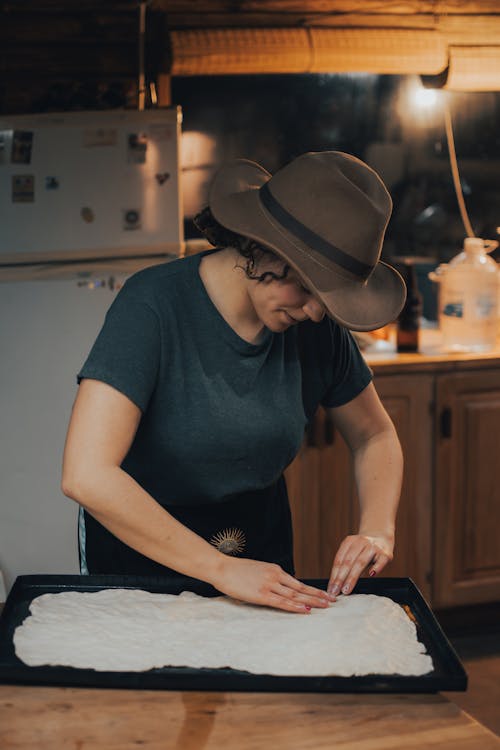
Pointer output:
x,y
431,358
83,719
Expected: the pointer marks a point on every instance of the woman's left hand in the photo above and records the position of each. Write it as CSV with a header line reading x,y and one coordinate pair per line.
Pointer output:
x,y
355,553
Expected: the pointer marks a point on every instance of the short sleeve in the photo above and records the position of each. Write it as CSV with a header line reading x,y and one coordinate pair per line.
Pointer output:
x,y
349,372
126,353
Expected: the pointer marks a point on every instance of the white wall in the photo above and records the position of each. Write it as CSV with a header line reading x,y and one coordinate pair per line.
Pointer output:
x,y
46,331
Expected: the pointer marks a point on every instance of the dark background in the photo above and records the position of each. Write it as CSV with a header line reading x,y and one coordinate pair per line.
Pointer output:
x,y
271,119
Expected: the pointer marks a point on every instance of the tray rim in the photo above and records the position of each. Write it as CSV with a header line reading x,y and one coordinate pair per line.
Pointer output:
x,y
185,678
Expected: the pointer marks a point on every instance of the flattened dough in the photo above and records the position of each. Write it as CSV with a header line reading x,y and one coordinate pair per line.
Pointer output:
x,y
130,630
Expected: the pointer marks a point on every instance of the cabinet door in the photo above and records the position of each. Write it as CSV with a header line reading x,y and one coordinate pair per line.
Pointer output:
x,y
408,401
302,480
322,493
320,487
467,491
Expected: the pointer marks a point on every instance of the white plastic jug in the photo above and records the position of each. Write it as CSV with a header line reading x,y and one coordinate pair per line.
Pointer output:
x,y
468,298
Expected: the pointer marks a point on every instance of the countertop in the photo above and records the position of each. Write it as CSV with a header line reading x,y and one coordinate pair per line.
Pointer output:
x,y
35,718
383,358
84,719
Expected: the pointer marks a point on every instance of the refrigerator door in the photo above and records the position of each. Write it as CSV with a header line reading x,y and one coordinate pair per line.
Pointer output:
x,y
47,329
90,185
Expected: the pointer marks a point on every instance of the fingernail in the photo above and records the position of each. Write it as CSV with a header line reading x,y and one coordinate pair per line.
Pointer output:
x,y
334,590
307,607
372,573
345,590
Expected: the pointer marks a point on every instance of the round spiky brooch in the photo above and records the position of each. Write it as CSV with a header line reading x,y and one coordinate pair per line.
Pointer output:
x,y
229,541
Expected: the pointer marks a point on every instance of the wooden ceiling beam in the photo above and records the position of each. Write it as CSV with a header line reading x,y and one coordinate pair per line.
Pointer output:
x,y
70,6
77,28
69,61
376,7
90,38
241,12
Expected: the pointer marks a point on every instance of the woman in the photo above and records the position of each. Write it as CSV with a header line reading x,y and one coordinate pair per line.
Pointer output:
x,y
195,396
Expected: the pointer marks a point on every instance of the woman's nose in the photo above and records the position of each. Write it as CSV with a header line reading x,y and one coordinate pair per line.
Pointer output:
x,y
314,310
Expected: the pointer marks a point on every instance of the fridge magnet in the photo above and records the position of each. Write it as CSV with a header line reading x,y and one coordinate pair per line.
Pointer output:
x,y
5,136
131,219
100,137
23,188
162,177
22,141
137,147
51,183
161,132
87,215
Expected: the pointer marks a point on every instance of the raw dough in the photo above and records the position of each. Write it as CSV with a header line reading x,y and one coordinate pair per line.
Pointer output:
x,y
130,630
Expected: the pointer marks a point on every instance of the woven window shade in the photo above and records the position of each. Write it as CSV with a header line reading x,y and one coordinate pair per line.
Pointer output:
x,y
391,51
239,51
474,69
311,50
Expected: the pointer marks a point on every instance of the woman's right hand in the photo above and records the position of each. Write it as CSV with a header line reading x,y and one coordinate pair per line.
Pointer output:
x,y
267,584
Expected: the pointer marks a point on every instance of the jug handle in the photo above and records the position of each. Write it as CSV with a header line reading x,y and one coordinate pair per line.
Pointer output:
x,y
437,274
490,245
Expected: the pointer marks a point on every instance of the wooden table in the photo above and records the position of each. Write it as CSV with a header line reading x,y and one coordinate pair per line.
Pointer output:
x,y
84,719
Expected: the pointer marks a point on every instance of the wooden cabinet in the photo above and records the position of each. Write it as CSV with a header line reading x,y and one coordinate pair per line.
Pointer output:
x,y
408,400
323,497
448,525
467,489
320,486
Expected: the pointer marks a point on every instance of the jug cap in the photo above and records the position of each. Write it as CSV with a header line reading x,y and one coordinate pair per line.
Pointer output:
x,y
474,244
478,245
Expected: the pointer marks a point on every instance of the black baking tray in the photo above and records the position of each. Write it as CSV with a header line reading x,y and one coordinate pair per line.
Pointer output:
x,y
448,673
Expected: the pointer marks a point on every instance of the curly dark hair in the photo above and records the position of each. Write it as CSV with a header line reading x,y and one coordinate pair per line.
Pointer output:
x,y
253,252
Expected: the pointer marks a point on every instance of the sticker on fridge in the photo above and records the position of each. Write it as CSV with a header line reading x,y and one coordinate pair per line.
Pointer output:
x,y
161,131
23,188
100,137
137,147
5,140
131,219
51,183
22,143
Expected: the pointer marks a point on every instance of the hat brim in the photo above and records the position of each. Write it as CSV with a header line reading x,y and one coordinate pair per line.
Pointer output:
x,y
361,306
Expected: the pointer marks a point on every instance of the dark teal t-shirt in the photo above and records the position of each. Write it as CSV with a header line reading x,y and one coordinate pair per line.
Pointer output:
x,y
220,416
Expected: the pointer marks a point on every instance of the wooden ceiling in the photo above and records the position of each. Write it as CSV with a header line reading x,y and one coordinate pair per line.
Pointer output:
x,y
69,27
187,14
42,41
295,13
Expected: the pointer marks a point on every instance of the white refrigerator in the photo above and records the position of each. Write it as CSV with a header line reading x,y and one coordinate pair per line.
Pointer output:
x,y
47,328
89,185
64,253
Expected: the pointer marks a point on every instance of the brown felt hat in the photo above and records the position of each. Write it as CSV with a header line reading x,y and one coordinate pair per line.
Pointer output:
x,y
325,213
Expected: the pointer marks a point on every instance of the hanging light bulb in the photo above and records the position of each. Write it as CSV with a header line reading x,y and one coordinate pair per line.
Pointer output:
x,y
425,98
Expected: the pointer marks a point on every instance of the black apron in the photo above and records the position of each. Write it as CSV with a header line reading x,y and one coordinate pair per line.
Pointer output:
x,y
255,525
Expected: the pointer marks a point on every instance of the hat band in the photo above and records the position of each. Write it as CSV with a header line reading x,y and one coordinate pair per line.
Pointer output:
x,y
310,238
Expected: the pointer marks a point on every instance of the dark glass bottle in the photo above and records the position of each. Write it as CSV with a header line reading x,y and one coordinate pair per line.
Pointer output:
x,y
408,324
